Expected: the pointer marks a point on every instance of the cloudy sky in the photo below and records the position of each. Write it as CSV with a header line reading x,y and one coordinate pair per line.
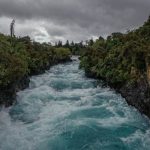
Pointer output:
x,y
53,20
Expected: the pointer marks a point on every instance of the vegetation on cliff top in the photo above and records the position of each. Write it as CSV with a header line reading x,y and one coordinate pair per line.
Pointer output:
x,y
21,57
121,58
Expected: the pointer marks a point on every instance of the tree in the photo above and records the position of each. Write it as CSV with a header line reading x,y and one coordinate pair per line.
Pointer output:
x,y
81,44
101,38
91,42
12,31
67,45
59,44
72,44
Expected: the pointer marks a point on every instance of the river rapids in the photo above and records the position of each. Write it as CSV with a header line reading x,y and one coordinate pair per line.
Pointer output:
x,y
64,110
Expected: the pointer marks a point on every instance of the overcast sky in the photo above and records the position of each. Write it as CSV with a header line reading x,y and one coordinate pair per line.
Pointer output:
x,y
53,20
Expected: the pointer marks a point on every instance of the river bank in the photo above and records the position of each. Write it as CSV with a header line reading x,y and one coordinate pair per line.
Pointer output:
x,y
63,109
8,94
122,60
20,58
136,95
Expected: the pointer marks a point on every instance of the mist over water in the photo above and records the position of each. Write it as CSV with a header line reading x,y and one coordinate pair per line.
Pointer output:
x,y
64,110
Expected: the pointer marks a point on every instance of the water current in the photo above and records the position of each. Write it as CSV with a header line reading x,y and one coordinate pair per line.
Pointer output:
x,y
64,110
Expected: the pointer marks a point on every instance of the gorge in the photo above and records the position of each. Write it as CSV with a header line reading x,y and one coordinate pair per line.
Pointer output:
x,y
63,109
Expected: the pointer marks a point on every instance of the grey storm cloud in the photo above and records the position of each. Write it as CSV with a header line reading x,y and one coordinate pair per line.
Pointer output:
x,y
72,19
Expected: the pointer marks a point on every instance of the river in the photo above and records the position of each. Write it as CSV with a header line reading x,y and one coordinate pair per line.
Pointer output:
x,y
64,110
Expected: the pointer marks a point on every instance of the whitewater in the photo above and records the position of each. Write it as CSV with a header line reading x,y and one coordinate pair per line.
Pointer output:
x,y
64,110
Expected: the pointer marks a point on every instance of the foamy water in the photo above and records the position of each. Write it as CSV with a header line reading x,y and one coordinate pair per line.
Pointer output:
x,y
64,110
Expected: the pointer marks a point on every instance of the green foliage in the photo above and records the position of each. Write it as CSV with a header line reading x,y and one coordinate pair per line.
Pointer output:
x,y
24,57
12,68
121,58
62,53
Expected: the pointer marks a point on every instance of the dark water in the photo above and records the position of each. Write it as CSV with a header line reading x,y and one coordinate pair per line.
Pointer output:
x,y
64,110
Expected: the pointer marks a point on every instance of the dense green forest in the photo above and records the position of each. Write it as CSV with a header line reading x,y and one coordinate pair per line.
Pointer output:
x,y
21,57
121,58
75,48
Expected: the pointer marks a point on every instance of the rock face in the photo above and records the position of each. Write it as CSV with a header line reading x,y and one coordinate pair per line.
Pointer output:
x,y
8,95
123,61
138,95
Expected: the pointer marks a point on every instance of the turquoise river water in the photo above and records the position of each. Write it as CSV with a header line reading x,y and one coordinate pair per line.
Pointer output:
x,y
64,110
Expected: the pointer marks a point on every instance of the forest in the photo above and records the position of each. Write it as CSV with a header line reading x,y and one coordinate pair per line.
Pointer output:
x,y
20,57
121,58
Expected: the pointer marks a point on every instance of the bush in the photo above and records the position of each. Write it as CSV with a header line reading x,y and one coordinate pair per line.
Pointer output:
x,y
113,59
20,57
